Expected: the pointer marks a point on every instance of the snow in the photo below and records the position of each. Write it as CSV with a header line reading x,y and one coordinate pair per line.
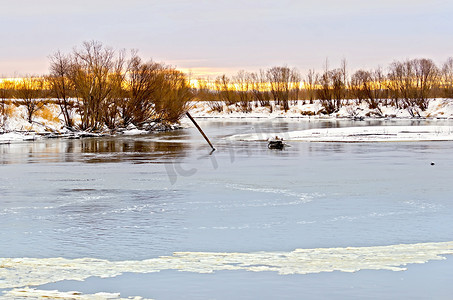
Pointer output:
x,y
16,128
358,134
135,131
17,120
437,109
16,137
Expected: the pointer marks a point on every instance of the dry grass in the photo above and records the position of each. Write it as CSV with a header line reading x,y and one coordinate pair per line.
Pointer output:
x,y
10,110
47,115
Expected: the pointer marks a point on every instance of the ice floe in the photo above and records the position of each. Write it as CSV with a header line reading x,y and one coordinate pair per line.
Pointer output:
x,y
358,134
25,272
30,293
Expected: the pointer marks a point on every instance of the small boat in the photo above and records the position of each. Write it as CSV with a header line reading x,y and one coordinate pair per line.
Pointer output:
x,y
276,143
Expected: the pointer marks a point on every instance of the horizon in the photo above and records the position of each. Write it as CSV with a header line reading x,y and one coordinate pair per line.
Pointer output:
x,y
207,39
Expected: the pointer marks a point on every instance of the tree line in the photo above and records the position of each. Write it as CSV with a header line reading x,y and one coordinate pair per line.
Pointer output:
x,y
97,87
404,84
104,88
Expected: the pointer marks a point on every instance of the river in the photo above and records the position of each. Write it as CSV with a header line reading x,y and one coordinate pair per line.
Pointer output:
x,y
133,198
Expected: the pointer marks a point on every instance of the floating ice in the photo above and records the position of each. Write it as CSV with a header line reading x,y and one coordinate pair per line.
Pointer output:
x,y
29,293
22,272
359,134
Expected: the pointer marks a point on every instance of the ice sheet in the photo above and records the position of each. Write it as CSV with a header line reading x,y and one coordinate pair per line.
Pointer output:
x,y
22,272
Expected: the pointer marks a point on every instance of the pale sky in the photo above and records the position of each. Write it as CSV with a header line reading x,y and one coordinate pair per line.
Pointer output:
x,y
225,36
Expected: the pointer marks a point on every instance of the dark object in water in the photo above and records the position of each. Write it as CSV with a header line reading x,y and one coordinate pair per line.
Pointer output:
x,y
432,163
201,131
276,144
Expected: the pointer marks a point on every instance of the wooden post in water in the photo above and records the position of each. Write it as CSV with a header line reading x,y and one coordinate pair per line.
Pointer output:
x,y
201,131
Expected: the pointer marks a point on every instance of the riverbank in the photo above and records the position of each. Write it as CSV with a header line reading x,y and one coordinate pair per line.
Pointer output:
x,y
48,122
437,109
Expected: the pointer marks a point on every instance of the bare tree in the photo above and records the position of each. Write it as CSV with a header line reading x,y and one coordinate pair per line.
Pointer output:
x,y
447,78
331,90
30,91
143,81
412,81
380,90
175,94
324,91
426,78
295,82
310,84
117,95
397,83
344,79
90,70
224,92
242,84
61,87
361,82
280,82
6,92
155,92
205,94
364,86
337,77
260,90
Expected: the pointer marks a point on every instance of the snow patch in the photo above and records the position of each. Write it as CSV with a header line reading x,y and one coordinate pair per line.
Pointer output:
x,y
437,108
358,134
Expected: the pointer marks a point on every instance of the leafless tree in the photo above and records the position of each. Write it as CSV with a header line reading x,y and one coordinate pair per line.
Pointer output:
x,y
6,92
224,91
206,95
365,87
117,95
30,92
143,82
397,82
295,82
331,89
412,81
324,91
447,78
380,91
280,83
310,84
174,96
361,82
337,77
344,79
154,92
260,90
242,84
90,70
61,87
426,78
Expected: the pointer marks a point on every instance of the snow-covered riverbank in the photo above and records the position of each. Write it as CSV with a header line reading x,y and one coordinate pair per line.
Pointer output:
x,y
437,109
48,122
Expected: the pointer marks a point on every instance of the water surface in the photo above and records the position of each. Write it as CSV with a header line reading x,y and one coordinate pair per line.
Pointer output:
x,y
135,198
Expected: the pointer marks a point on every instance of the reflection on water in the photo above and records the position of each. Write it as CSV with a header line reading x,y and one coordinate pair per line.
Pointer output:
x,y
120,149
93,150
175,144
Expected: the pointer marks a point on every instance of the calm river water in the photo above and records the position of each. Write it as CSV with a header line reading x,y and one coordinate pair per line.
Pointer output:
x,y
135,198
